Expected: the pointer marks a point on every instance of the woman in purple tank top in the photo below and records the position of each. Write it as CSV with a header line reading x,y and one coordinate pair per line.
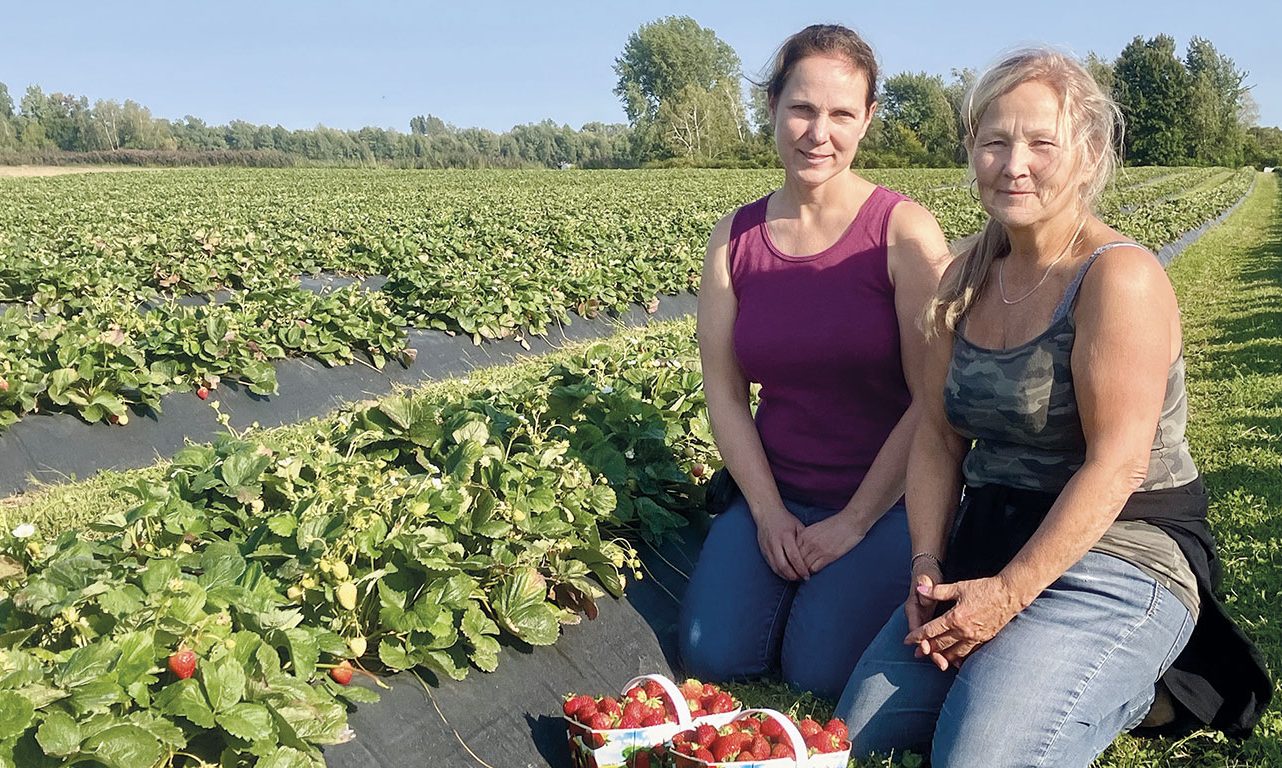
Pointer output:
x,y
814,293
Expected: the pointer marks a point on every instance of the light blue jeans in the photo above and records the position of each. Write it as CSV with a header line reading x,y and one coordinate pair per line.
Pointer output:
x,y
1053,688
740,620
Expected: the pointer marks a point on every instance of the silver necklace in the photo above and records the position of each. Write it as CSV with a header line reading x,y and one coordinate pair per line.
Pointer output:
x,y
1001,270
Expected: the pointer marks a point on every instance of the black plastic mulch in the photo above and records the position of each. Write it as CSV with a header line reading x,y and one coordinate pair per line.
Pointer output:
x,y
56,448
511,718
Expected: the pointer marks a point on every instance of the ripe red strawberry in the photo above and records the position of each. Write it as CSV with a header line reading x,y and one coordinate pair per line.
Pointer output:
x,y
630,721
772,729
574,703
691,688
341,674
704,735
600,721
703,754
721,702
609,705
682,737
654,717
837,728
635,709
636,693
782,750
822,742
653,689
725,747
182,663
809,727
202,392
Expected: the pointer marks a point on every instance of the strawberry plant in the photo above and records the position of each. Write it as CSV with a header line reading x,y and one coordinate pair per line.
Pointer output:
x,y
221,617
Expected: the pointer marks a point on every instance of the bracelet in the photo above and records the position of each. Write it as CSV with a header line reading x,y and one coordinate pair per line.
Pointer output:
x,y
929,556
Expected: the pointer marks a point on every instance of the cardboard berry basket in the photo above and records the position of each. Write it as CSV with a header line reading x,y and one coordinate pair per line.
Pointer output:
x,y
820,760
619,747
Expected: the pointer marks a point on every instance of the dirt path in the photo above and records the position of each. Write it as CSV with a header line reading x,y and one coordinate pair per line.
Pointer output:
x,y
23,171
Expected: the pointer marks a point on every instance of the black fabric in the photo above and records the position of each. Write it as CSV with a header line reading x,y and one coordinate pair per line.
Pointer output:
x,y
1219,680
720,493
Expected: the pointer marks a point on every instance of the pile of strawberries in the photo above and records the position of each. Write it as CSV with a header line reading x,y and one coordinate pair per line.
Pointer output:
x,y
750,738
645,705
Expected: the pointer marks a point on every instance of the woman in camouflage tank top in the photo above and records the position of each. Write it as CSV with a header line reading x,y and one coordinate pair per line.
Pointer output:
x,y
1039,622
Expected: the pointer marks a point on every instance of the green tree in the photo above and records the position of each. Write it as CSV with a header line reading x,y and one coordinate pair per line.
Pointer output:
x,y
1216,129
1153,89
681,89
7,130
918,103
1263,146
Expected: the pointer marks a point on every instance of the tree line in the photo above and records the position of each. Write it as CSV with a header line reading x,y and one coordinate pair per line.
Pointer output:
x,y
682,89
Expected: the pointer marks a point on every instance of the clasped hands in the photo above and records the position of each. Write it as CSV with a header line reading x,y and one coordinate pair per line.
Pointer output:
x,y
796,551
982,607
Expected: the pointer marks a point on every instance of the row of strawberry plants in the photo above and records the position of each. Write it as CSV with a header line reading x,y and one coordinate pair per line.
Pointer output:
x,y
103,360
1163,221
197,628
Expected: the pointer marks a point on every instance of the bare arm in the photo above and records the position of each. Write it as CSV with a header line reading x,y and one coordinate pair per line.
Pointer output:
x,y
1126,331
934,479
726,391
916,257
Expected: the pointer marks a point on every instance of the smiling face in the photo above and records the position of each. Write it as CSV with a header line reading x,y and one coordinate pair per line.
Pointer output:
x,y
820,116
1023,157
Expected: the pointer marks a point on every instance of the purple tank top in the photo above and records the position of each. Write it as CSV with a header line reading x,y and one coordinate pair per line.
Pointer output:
x,y
820,334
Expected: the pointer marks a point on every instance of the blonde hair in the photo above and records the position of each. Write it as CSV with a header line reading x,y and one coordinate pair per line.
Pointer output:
x,y
1094,123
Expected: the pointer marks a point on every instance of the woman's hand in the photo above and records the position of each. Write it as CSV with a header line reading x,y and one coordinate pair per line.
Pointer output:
x,y
983,607
829,539
777,534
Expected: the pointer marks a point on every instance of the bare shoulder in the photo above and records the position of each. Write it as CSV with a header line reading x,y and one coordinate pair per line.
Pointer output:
x,y
1126,269
909,220
720,236
915,243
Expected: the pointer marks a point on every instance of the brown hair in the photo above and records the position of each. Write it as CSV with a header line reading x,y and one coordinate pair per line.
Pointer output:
x,y
821,40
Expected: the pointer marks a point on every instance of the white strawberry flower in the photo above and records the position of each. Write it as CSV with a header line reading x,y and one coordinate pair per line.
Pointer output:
x,y
24,531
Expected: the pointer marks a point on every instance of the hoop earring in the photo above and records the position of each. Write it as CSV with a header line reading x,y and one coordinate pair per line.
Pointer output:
x,y
973,189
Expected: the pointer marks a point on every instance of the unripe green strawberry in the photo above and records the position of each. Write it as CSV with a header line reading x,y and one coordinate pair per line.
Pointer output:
x,y
357,645
346,594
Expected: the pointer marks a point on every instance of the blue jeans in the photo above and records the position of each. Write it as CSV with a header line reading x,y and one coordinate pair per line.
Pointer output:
x,y
740,620
1053,688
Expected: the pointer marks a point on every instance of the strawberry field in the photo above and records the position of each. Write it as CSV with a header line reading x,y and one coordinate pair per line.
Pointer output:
x,y
212,611
118,288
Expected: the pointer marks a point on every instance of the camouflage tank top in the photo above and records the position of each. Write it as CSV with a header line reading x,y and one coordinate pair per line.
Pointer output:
x,y
1019,407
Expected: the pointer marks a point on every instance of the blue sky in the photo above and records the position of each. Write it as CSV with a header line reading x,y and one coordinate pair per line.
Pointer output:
x,y
495,63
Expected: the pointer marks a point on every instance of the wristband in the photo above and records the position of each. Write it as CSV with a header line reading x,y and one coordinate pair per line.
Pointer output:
x,y
927,555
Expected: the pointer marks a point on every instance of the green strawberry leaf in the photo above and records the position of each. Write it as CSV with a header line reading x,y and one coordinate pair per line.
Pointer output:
x,y
185,699
59,734
124,746
224,682
250,722
16,714
520,606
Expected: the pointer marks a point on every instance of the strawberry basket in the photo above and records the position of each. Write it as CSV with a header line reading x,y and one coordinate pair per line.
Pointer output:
x,y
761,738
609,734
